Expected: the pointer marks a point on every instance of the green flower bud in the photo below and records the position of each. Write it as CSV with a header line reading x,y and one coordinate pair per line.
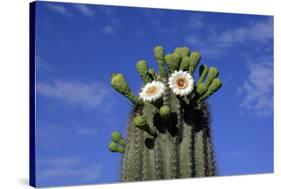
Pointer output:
x,y
116,137
119,83
165,111
114,147
140,121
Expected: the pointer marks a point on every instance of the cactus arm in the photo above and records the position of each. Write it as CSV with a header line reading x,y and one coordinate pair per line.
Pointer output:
x,y
119,83
185,63
173,61
143,71
212,74
203,71
159,56
194,61
183,51
169,63
215,85
201,89
185,60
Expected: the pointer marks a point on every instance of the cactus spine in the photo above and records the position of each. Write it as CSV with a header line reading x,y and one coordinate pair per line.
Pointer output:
x,y
168,132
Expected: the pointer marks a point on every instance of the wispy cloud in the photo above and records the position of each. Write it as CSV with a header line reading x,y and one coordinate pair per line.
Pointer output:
x,y
58,8
195,21
85,10
108,29
219,41
59,135
107,10
76,93
41,64
67,168
257,90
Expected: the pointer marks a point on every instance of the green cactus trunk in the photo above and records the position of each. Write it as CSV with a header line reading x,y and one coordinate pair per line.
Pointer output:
x,y
168,137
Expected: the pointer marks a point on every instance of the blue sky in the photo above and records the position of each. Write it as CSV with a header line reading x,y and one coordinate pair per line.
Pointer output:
x,y
78,46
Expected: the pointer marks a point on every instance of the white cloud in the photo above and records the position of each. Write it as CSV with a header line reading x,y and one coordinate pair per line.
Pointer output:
x,y
217,42
41,64
258,32
257,90
88,95
67,168
50,135
195,21
59,9
108,29
107,10
61,161
85,10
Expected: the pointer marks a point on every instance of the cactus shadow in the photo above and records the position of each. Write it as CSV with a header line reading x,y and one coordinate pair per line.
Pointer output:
x,y
150,143
166,125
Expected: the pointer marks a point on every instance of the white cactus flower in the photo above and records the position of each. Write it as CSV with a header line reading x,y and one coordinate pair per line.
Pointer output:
x,y
181,83
152,91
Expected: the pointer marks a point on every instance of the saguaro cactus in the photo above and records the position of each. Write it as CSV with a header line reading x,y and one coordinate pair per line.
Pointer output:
x,y
168,134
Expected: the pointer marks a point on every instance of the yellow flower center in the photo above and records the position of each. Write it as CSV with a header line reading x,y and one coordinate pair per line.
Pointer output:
x,y
181,83
151,91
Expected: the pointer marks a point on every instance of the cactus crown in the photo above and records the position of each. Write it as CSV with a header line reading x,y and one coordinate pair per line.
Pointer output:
x,y
168,134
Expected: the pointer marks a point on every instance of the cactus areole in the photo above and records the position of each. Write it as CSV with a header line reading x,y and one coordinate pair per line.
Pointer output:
x,y
168,134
